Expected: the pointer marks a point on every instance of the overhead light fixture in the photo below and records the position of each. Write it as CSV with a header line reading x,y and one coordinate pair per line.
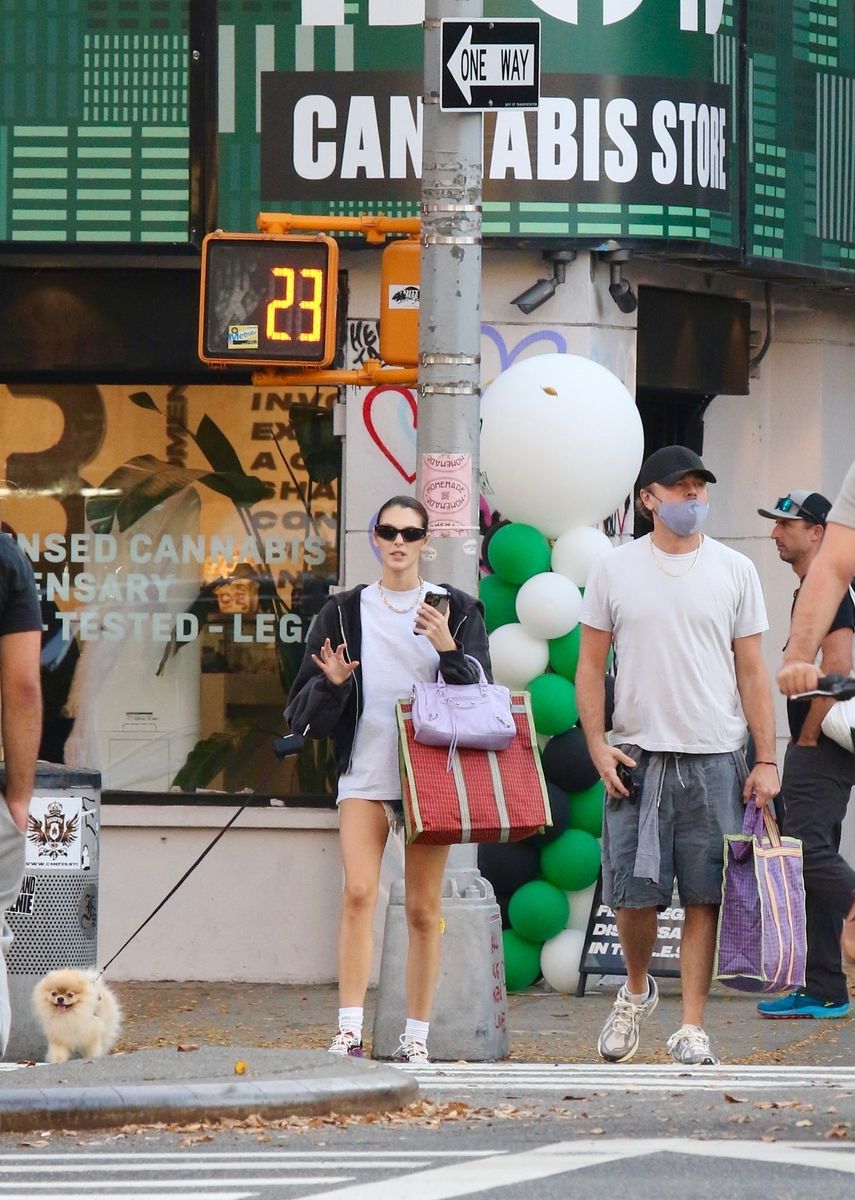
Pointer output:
x,y
620,289
545,289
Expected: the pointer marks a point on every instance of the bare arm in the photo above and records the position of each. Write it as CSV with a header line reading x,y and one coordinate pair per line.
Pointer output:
x,y
755,692
836,660
20,689
824,587
591,699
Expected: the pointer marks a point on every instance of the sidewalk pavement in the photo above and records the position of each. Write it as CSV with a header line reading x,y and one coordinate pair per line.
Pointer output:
x,y
193,1050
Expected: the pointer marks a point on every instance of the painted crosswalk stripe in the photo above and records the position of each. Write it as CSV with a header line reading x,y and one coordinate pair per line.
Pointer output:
x,y
546,1077
559,1158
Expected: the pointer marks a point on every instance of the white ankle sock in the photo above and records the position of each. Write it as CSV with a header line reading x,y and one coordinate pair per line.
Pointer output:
x,y
350,1021
417,1030
639,997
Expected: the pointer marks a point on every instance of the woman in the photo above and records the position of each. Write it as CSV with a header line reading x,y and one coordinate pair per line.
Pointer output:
x,y
361,656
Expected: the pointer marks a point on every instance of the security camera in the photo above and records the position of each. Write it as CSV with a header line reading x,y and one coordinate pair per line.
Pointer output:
x,y
536,295
620,289
544,289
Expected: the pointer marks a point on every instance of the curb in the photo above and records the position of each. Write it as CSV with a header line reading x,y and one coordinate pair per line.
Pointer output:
x,y
102,1106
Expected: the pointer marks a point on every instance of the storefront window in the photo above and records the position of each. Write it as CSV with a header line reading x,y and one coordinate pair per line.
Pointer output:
x,y
183,539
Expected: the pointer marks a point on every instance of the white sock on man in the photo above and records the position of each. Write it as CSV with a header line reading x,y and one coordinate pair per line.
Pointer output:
x,y
350,1021
417,1030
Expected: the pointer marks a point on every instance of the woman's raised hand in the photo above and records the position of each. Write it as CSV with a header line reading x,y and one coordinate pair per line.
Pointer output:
x,y
333,663
433,624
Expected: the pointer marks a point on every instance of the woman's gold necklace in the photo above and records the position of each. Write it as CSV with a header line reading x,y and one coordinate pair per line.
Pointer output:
x,y
409,607
677,574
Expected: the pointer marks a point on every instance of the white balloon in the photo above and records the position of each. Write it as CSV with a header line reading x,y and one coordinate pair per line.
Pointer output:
x,y
580,908
560,959
561,442
517,657
577,550
549,605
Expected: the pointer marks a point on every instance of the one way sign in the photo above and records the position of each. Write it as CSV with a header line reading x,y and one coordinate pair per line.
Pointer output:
x,y
488,65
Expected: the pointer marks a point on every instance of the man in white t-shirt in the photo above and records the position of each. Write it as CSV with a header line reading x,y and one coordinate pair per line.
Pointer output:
x,y
824,587
685,614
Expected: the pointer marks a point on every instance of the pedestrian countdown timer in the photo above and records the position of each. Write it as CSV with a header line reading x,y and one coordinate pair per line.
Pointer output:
x,y
268,299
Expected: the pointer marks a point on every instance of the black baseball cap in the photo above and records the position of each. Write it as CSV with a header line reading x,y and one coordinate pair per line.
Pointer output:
x,y
671,463
799,504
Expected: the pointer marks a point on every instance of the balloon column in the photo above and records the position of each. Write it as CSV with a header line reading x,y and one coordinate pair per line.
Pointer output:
x,y
561,445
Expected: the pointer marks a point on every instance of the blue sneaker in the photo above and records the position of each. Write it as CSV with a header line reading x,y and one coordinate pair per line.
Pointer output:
x,y
799,1005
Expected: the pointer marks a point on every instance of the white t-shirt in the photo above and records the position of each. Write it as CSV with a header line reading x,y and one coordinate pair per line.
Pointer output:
x,y
392,658
843,508
675,688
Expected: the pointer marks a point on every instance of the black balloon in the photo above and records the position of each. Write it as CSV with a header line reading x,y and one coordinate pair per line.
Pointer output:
x,y
560,805
567,763
610,701
508,865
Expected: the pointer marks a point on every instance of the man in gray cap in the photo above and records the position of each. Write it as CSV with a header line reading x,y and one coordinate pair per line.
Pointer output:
x,y
818,778
685,614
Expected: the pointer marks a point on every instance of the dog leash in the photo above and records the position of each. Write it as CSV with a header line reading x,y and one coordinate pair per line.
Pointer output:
x,y
282,746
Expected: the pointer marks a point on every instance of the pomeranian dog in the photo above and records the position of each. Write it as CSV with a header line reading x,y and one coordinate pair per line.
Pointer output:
x,y
78,1014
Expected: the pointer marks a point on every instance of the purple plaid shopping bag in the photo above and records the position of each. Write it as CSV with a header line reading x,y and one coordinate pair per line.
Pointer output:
x,y
761,944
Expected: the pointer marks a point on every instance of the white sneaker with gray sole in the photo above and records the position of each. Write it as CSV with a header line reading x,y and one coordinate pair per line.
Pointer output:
x,y
619,1039
690,1046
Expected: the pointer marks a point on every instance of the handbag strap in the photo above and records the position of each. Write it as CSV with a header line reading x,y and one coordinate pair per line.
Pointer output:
x,y
482,677
759,822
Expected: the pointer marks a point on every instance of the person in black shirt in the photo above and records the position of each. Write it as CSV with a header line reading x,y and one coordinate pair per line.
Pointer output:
x,y
21,725
818,778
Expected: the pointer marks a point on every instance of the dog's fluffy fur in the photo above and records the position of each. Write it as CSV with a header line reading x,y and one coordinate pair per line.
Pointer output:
x,y
78,1014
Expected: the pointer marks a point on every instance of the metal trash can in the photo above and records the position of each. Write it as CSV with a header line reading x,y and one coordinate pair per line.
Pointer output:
x,y
55,918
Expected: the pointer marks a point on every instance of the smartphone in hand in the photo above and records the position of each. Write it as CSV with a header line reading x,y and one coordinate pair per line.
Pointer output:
x,y
437,600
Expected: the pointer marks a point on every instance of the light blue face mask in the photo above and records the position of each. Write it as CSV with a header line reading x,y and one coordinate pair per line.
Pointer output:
x,y
683,517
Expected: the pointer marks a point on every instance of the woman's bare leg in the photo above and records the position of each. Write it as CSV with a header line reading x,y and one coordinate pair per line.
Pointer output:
x,y
363,829
423,870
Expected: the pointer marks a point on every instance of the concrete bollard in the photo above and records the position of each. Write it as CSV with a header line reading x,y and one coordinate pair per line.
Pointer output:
x,y
469,1020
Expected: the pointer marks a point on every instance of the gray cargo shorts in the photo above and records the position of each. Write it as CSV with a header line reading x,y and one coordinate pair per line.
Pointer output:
x,y
699,801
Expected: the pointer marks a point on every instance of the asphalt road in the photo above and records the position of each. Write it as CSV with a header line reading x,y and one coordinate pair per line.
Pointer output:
x,y
532,1132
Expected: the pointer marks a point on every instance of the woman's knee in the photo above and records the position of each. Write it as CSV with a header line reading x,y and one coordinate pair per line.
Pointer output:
x,y
359,895
423,916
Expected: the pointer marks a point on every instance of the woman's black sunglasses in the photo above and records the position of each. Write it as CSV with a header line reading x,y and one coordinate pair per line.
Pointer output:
x,y
411,533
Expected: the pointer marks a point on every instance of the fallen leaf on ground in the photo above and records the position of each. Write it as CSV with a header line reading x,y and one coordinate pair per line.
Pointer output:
x,y
185,1047
837,1131
734,1099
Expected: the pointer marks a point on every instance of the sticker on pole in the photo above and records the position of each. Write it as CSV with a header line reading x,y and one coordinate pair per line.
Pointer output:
x,y
488,65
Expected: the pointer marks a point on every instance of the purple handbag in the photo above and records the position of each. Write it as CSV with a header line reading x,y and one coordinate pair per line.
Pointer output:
x,y
762,939
466,716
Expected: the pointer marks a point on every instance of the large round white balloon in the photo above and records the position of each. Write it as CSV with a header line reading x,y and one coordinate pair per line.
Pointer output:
x,y
560,958
548,605
577,550
517,657
561,442
580,908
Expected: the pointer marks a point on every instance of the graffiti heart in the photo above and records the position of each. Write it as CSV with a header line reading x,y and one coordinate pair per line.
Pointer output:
x,y
398,408
509,354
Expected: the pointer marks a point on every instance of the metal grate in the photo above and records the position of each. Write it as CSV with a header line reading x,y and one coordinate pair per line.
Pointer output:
x,y
60,930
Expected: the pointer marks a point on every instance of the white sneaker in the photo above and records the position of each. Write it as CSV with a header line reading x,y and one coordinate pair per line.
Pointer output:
x,y
691,1047
619,1039
411,1050
346,1043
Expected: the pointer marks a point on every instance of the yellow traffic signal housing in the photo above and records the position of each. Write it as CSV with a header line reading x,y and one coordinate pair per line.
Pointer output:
x,y
400,291
268,299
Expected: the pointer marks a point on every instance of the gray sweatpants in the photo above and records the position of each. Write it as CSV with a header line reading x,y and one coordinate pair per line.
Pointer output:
x,y
11,874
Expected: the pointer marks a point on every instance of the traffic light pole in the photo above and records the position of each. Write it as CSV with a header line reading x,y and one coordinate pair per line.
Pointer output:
x,y
450,318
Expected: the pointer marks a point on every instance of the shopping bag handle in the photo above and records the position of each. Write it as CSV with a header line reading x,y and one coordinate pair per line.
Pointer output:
x,y
759,821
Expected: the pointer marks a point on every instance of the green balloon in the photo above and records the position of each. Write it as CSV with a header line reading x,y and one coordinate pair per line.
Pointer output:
x,y
553,704
571,862
564,653
538,911
586,809
522,961
500,601
516,552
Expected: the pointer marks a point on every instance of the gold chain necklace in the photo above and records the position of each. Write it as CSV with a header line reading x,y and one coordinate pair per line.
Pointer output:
x,y
677,574
409,607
